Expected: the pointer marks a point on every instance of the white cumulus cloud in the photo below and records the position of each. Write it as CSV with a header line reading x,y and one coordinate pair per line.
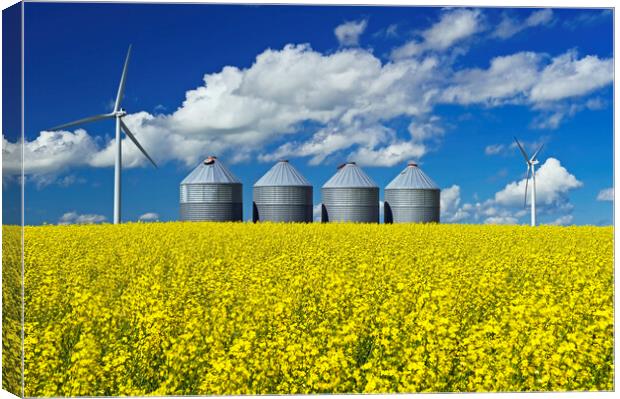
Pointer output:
x,y
553,182
76,218
348,34
508,79
298,102
453,26
553,113
606,194
510,26
494,149
425,130
450,200
149,217
553,185
562,220
49,152
501,220
526,78
568,76
389,155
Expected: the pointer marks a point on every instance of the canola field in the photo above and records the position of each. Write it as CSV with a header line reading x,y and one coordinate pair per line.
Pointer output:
x,y
238,308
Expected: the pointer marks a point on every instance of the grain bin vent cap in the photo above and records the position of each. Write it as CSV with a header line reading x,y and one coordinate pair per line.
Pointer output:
x,y
412,177
350,175
282,174
211,171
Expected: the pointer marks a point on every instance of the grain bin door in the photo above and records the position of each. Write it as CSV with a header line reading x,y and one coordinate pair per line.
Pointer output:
x,y
387,213
254,212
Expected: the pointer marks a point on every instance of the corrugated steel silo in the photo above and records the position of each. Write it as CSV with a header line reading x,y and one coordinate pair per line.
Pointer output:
x,y
211,193
282,195
350,196
412,197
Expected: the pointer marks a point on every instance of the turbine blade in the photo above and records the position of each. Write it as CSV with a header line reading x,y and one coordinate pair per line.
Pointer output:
x,y
527,179
82,121
135,141
537,151
121,86
522,151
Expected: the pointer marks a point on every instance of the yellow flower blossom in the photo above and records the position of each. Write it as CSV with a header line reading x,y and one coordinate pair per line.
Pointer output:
x,y
238,308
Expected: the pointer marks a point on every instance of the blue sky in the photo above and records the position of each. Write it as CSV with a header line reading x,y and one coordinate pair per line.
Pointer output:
x,y
318,86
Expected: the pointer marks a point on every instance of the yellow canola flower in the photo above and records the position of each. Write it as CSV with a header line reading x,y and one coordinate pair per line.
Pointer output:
x,y
237,308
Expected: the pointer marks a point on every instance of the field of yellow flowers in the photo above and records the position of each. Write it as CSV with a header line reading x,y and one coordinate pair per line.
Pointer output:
x,y
11,310
234,308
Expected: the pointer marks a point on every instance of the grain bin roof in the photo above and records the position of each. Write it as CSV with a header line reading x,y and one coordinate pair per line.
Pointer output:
x,y
412,177
350,175
211,171
282,174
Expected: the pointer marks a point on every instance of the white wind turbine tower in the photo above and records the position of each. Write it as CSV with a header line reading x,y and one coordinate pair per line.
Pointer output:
x,y
118,113
531,163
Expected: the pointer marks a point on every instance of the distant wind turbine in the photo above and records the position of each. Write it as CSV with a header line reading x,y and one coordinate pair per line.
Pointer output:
x,y
531,163
118,113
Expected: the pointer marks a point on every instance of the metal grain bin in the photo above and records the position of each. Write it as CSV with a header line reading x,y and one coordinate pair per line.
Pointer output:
x,y
412,197
350,196
282,195
211,193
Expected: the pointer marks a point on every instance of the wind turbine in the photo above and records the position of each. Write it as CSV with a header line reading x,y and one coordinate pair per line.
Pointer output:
x,y
118,113
531,163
